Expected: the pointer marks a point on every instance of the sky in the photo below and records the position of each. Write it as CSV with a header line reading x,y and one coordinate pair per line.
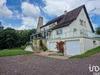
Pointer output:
x,y
24,14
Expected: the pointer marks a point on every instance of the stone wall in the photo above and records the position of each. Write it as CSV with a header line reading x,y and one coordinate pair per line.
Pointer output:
x,y
36,44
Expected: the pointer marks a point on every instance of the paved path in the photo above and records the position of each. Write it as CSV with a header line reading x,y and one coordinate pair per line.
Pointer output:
x,y
31,64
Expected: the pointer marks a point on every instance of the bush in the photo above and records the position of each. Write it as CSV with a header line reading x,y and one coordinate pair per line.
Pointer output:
x,y
29,43
60,46
43,47
22,47
41,44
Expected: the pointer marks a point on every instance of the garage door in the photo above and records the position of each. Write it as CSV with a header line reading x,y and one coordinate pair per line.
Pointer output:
x,y
53,46
72,47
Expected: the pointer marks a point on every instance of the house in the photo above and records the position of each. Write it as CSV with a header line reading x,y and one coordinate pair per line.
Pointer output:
x,y
74,28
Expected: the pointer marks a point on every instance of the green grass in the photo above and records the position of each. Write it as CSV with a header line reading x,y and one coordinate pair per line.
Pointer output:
x,y
14,51
90,52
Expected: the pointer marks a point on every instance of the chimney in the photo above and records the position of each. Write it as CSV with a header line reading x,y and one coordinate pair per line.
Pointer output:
x,y
65,12
40,23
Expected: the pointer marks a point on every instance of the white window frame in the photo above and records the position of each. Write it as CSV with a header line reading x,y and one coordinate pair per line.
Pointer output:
x,y
59,32
74,30
82,22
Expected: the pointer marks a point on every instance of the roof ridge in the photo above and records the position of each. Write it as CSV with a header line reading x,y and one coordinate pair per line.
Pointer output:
x,y
63,17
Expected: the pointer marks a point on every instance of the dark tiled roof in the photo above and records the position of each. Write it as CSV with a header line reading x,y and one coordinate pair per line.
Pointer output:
x,y
54,20
65,20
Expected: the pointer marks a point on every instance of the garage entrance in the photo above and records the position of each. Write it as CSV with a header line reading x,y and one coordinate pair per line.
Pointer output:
x,y
53,46
72,47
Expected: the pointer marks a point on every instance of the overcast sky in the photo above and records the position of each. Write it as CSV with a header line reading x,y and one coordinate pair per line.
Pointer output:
x,y
24,14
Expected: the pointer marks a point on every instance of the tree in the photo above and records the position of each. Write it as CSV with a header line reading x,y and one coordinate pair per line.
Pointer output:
x,y
25,35
98,30
9,38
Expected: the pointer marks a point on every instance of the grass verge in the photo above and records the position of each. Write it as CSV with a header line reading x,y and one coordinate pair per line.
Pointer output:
x,y
14,51
88,53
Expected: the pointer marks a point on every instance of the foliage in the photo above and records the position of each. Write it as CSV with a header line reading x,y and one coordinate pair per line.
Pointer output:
x,y
10,38
41,44
25,35
43,47
29,43
88,53
98,30
14,51
22,47
60,46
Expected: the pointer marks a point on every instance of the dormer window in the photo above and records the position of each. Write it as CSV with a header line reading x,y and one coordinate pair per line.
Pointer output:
x,y
55,23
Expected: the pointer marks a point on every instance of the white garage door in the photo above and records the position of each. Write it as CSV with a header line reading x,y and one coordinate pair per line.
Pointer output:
x,y
72,47
53,46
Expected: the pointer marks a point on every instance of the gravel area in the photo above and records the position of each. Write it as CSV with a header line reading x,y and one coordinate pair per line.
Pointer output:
x,y
32,64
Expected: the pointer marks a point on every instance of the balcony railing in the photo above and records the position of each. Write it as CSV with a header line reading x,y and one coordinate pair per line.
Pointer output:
x,y
76,34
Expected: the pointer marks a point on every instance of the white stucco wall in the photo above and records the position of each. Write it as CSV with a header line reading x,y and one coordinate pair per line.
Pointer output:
x,y
65,40
88,44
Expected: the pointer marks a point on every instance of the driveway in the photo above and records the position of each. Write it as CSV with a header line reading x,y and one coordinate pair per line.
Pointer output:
x,y
31,64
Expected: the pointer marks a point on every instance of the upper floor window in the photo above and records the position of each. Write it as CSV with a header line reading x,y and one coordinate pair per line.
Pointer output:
x,y
74,30
83,23
50,26
43,29
55,23
59,32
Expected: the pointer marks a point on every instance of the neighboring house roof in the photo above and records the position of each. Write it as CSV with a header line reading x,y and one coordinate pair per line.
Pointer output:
x,y
65,20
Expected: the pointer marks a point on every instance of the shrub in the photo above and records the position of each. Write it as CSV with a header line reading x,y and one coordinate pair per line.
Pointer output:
x,y
41,44
60,46
22,47
43,47
29,43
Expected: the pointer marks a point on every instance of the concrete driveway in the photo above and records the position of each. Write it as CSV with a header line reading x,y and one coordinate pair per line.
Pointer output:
x,y
31,64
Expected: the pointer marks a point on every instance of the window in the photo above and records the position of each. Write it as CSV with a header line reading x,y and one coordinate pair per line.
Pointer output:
x,y
43,29
85,23
55,23
50,26
94,42
81,22
59,32
74,30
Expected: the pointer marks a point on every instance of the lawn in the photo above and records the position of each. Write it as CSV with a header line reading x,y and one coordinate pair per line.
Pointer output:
x,y
88,53
14,51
